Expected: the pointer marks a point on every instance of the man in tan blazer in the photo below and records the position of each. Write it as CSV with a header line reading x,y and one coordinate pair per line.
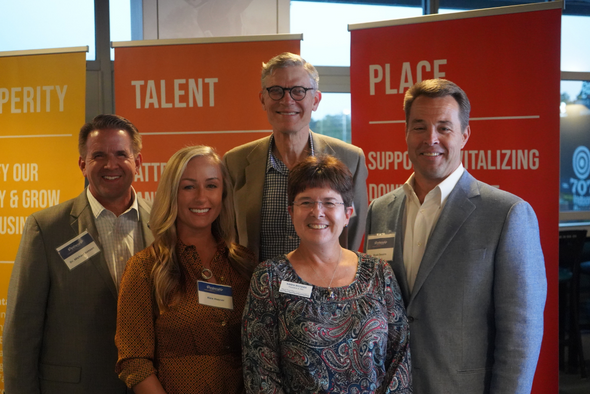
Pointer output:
x,y
259,169
62,297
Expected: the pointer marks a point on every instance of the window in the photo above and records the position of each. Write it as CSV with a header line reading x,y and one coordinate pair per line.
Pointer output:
x,y
41,24
574,183
574,188
333,116
120,21
575,51
326,40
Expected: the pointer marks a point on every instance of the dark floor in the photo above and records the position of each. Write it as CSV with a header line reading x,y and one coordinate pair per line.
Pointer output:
x,y
573,383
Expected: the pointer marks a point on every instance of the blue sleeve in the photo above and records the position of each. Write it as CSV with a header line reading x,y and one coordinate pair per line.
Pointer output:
x,y
520,291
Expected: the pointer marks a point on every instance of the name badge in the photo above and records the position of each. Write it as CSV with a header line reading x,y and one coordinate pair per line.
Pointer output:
x,y
381,246
297,289
217,296
78,250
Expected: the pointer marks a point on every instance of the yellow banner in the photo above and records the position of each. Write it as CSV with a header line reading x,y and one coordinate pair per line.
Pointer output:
x,y
41,111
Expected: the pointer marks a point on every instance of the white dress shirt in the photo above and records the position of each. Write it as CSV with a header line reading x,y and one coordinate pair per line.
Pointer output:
x,y
120,237
420,220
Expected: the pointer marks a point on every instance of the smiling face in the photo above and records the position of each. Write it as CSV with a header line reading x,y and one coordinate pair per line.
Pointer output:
x,y
287,115
434,139
319,225
200,195
110,166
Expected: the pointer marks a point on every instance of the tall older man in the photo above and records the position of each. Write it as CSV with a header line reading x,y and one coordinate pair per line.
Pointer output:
x,y
62,299
259,169
467,257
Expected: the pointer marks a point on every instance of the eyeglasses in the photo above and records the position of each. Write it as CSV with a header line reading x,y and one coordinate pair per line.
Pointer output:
x,y
297,93
309,205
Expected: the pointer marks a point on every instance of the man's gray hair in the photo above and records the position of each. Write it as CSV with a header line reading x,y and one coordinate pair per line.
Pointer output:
x,y
288,59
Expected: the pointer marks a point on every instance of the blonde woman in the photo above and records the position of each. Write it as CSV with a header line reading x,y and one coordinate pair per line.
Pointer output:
x,y
181,299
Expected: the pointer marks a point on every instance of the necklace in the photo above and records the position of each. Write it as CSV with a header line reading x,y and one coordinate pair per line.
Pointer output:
x,y
206,273
330,291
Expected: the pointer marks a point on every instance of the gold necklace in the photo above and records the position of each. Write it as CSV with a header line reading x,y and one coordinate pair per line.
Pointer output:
x,y
206,273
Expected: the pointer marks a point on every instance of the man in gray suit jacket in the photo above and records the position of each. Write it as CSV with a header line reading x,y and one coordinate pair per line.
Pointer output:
x,y
467,257
259,169
62,298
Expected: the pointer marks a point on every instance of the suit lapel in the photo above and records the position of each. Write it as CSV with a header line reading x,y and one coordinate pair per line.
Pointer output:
x,y
82,219
250,198
457,209
144,215
397,207
320,146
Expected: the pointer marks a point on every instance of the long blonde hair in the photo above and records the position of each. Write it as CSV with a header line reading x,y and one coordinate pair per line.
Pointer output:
x,y
167,275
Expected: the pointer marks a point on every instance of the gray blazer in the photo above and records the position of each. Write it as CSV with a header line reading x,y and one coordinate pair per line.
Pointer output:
x,y
247,166
476,312
60,324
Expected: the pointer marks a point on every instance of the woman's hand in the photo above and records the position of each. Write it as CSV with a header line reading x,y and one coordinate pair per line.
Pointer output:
x,y
150,385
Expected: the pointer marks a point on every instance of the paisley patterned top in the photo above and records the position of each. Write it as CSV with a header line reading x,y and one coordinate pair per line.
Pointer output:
x,y
355,342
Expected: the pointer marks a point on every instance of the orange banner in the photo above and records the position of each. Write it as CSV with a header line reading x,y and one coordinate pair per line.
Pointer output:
x,y
512,80
201,93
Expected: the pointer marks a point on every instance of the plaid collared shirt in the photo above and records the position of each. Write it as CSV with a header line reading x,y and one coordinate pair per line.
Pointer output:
x,y
277,233
120,237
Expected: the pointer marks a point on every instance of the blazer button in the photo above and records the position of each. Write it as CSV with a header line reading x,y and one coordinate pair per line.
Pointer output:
x,y
410,319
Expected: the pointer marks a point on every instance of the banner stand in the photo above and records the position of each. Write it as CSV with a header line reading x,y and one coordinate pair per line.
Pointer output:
x,y
512,79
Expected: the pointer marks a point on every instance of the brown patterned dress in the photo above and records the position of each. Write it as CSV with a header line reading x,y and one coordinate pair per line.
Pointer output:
x,y
191,348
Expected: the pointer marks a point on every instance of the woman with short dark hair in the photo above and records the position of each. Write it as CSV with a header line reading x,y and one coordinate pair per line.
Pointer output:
x,y
323,319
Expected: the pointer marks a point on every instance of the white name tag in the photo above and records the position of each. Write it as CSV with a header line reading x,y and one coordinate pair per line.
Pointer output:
x,y
78,250
381,246
218,296
297,289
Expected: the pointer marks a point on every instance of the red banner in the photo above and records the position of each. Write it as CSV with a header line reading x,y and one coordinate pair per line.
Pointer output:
x,y
511,77
189,94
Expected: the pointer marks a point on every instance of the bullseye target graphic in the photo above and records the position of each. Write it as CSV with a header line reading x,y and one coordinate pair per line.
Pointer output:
x,y
581,162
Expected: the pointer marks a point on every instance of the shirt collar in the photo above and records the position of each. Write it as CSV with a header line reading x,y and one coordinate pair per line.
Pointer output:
x,y
443,189
274,162
97,207
447,186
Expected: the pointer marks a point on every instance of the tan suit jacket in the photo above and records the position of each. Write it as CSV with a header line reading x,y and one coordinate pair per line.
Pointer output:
x,y
60,324
247,167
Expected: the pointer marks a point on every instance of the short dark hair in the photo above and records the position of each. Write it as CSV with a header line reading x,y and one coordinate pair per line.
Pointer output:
x,y
321,171
434,88
102,122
